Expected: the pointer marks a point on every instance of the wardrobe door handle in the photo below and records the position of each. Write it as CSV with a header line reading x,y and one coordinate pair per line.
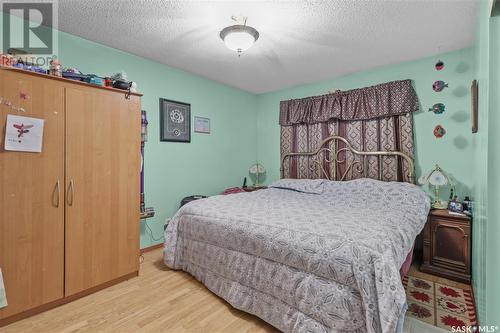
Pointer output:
x,y
57,190
70,193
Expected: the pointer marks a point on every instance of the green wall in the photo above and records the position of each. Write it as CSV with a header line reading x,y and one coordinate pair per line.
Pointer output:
x,y
493,180
480,145
245,129
453,152
459,152
207,165
488,49
486,228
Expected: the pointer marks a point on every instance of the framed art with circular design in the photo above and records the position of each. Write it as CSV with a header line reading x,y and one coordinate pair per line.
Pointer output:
x,y
175,121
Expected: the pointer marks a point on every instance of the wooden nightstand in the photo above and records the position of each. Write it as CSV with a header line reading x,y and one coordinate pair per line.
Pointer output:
x,y
447,245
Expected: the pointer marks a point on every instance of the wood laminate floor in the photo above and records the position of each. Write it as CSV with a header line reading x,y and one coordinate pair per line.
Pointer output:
x,y
159,300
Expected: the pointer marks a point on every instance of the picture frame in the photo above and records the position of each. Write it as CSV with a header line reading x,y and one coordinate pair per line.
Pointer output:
x,y
201,125
455,206
175,121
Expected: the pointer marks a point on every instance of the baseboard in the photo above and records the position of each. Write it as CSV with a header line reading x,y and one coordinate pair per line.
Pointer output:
x,y
446,273
56,303
151,248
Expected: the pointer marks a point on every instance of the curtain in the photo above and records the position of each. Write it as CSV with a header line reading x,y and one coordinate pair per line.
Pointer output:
x,y
376,118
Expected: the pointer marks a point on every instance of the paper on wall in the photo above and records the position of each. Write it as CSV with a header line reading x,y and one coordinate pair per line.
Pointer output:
x,y
24,134
3,298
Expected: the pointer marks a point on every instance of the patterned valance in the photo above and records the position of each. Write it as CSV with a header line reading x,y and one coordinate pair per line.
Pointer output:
x,y
383,100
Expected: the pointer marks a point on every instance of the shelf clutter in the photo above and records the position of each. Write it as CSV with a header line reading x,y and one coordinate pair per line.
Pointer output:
x,y
22,61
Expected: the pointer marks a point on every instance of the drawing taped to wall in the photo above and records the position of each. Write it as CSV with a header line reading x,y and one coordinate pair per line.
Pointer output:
x,y
24,134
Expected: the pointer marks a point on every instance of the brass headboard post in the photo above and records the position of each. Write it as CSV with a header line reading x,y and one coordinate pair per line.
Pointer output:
x,y
334,153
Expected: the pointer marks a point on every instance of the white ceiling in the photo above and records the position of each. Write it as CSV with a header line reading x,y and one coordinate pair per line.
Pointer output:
x,y
300,41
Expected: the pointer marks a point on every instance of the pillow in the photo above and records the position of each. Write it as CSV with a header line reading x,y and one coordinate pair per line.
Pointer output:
x,y
312,186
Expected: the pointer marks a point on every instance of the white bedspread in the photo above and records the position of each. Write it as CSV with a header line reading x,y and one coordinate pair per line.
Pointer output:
x,y
304,255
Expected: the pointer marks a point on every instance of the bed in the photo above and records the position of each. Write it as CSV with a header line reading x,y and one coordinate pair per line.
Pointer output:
x,y
306,255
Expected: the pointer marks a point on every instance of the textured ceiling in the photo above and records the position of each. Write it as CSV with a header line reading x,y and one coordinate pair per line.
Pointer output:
x,y
300,41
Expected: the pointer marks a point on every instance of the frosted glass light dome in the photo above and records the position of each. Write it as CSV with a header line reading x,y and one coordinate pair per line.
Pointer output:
x,y
239,38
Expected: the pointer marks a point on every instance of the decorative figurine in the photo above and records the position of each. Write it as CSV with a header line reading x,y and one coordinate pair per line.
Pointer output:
x,y
133,87
439,131
108,82
439,86
439,65
437,108
468,206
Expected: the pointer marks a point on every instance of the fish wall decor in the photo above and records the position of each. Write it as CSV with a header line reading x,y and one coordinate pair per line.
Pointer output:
x,y
439,65
439,85
437,108
439,131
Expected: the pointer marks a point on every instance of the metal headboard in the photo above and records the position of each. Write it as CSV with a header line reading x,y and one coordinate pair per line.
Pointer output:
x,y
332,156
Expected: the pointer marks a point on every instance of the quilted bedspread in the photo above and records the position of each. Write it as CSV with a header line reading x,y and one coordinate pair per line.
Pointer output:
x,y
304,255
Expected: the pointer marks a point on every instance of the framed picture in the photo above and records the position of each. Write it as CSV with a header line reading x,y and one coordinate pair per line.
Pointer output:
x,y
455,206
201,125
175,121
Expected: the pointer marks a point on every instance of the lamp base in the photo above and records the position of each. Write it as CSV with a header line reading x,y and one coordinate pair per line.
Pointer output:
x,y
440,204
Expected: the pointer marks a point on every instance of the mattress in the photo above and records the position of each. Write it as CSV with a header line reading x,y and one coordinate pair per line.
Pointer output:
x,y
304,255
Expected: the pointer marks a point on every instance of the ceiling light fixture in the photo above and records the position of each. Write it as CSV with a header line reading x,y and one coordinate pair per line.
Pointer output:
x,y
239,37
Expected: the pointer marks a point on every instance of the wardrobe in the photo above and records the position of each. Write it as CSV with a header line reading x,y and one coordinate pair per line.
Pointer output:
x,y
69,215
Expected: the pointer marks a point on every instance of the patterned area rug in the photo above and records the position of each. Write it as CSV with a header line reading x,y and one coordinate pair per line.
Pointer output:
x,y
439,305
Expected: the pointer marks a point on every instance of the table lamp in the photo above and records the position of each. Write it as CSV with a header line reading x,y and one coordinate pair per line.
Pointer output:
x,y
256,170
436,177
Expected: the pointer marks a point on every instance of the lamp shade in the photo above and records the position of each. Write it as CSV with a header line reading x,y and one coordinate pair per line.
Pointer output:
x,y
424,178
438,178
257,169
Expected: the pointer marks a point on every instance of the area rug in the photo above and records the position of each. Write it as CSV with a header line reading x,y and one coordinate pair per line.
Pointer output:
x,y
438,304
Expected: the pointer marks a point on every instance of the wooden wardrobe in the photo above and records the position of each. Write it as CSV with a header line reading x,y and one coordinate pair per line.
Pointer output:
x,y
69,216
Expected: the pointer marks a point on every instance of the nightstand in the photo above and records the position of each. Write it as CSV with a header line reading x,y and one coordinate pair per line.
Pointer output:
x,y
253,188
447,245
